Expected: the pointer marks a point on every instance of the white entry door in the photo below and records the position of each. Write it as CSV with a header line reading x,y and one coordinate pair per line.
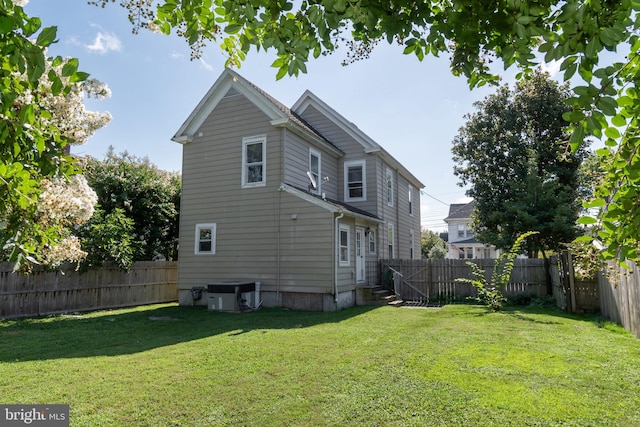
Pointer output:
x,y
360,274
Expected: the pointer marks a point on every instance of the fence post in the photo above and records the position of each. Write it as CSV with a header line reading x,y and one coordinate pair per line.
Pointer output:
x,y
397,283
572,282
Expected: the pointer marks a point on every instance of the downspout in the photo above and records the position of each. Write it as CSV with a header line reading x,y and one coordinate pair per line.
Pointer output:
x,y
336,243
278,212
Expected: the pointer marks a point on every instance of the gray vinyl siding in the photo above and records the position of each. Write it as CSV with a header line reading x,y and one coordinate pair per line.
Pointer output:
x,y
245,217
297,164
352,151
306,246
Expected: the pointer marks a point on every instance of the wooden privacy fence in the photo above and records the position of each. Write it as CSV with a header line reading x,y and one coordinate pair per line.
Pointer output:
x,y
66,290
435,279
620,296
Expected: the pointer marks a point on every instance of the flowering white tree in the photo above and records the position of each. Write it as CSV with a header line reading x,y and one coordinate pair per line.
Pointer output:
x,y
41,113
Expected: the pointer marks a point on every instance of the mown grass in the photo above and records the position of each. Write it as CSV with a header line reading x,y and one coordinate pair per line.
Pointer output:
x,y
460,365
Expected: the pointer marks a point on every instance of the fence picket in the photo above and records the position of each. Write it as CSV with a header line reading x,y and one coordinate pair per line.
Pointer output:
x,y
66,290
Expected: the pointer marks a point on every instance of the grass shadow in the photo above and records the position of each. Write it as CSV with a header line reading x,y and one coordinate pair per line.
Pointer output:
x,y
128,331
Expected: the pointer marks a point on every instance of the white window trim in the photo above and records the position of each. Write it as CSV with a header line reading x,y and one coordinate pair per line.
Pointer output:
x,y
199,227
346,228
254,140
389,186
316,153
347,165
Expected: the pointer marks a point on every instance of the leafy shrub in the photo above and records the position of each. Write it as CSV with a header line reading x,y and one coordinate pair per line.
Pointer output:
x,y
490,293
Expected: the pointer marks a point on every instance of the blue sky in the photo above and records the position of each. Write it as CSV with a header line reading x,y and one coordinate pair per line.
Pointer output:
x,y
413,109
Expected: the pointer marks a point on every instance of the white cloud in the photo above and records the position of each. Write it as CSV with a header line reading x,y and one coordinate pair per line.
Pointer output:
x,y
553,68
176,55
206,65
105,42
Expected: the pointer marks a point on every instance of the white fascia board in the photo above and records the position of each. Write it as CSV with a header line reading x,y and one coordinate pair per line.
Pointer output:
x,y
324,204
311,199
287,123
226,81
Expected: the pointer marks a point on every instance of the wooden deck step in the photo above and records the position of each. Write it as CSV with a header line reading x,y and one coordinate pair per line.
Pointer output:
x,y
396,303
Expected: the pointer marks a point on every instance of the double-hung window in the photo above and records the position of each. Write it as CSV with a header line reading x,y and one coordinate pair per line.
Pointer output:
x,y
390,237
389,187
410,200
355,188
372,242
205,239
254,151
344,245
315,169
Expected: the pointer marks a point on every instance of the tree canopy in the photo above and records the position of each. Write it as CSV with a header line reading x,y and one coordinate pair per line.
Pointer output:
x,y
432,245
513,152
138,204
477,35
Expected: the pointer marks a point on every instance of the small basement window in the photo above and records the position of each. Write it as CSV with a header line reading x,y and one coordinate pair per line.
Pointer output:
x,y
205,239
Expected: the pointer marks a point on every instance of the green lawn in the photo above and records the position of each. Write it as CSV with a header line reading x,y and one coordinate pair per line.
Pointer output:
x,y
166,365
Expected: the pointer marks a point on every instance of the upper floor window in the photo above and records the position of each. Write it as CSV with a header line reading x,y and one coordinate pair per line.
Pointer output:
x,y
205,239
389,187
462,230
314,169
254,150
355,188
410,200
344,245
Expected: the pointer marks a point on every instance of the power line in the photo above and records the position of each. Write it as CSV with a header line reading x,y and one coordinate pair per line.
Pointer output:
x,y
434,198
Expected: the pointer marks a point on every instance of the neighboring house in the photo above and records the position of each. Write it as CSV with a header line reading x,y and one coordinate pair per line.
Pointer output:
x,y
462,242
297,199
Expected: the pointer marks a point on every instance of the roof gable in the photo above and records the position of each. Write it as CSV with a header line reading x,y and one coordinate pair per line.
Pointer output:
x,y
369,146
460,210
309,99
228,81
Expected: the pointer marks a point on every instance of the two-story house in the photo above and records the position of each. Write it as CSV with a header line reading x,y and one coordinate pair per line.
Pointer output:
x,y
462,242
297,199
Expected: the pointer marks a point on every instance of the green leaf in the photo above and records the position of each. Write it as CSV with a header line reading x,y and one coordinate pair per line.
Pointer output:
x,y
78,76
587,220
232,28
612,132
618,120
607,105
282,71
596,203
47,36
70,67
6,24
